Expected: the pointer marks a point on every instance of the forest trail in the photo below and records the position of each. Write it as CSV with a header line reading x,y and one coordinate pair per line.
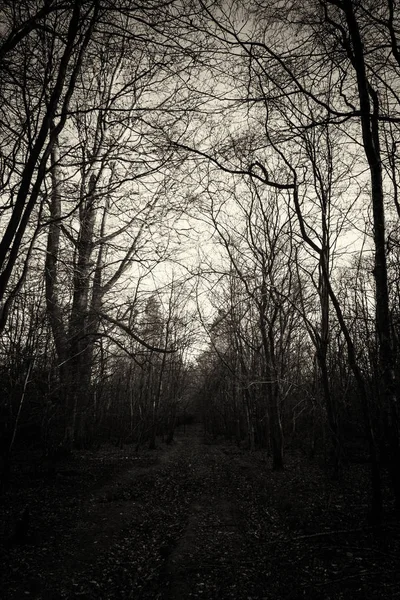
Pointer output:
x,y
213,550
196,520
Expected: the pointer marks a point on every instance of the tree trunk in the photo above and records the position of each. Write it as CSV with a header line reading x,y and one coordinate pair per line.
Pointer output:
x,y
369,105
80,340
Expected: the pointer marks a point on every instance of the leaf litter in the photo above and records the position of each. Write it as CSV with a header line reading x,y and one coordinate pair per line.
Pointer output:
x,y
195,520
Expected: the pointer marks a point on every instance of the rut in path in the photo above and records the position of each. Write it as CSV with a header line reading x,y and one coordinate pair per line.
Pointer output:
x,y
217,548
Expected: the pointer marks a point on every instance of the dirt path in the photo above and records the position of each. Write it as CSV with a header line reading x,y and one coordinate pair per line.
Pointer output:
x,y
171,531
198,520
213,550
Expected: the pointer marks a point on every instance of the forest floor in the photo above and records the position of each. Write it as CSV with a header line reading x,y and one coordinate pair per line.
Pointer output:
x,y
194,520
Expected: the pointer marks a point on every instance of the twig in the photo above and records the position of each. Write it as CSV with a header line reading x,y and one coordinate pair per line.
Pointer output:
x,y
327,533
22,398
